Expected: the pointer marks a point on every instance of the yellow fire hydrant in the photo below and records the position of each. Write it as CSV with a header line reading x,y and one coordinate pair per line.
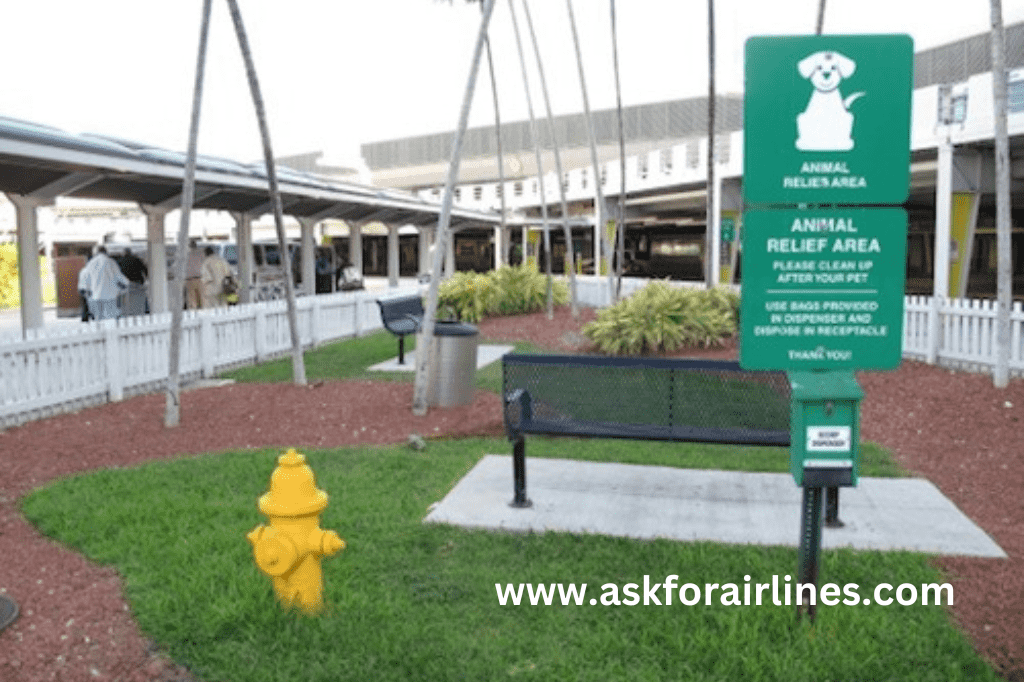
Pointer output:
x,y
289,550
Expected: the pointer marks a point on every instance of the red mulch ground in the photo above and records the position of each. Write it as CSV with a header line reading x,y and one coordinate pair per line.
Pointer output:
x,y
953,428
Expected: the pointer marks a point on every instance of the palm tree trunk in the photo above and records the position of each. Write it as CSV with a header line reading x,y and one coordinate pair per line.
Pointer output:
x,y
503,257
172,411
570,253
536,151
298,365
419,400
1004,266
558,172
620,230
709,273
599,208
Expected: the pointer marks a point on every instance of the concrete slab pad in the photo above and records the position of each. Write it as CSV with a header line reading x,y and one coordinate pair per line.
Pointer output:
x,y
206,383
724,506
485,355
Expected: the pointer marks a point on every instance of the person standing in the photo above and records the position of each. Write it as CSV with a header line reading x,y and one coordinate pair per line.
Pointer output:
x,y
103,282
214,271
134,268
84,283
194,277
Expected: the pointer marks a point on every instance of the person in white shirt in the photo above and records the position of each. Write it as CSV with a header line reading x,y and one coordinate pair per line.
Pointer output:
x,y
103,282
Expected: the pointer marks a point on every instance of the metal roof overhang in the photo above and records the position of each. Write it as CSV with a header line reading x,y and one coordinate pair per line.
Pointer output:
x,y
42,162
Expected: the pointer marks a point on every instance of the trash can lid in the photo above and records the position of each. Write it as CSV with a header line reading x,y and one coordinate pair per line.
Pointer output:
x,y
8,612
455,329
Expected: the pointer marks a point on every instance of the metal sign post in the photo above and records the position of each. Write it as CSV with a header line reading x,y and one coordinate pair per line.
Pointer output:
x,y
826,133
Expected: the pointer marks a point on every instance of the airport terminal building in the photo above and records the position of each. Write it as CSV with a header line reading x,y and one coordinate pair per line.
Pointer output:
x,y
951,205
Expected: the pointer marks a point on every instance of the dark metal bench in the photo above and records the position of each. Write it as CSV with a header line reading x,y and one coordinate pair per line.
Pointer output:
x,y
639,398
401,316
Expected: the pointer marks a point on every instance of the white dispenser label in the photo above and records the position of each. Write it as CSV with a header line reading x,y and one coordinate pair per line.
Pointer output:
x,y
828,439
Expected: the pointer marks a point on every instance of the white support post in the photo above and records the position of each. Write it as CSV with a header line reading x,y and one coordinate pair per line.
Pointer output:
x,y
393,256
943,206
355,246
499,247
246,266
426,241
307,240
29,278
156,241
525,236
943,218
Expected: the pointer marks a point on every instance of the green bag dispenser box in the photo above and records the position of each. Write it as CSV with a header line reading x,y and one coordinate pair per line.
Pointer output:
x,y
824,428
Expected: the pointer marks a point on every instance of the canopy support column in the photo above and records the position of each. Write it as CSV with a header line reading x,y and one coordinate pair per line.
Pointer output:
x,y
307,241
246,267
29,278
156,241
392,256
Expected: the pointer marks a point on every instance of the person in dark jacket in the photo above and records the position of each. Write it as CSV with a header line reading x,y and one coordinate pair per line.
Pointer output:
x,y
136,302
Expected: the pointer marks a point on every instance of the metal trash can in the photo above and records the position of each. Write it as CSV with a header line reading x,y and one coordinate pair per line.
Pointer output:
x,y
452,378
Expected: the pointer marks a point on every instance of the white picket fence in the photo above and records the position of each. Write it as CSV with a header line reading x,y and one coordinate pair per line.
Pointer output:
x,y
54,371
960,333
60,370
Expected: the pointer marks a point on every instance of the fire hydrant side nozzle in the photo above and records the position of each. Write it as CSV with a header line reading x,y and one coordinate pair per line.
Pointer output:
x,y
290,549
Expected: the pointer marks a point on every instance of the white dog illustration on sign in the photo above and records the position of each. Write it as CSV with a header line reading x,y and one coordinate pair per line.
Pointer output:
x,y
826,123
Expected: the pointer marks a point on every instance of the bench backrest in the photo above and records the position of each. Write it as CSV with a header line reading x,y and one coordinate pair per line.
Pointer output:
x,y
392,309
647,398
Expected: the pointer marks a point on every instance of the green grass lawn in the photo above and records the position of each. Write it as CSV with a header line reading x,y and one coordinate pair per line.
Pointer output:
x,y
409,601
349,359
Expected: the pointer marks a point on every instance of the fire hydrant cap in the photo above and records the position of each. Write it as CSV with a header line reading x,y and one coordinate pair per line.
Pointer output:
x,y
293,490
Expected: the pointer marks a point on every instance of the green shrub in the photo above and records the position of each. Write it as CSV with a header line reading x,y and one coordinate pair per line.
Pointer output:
x,y
661,318
522,289
466,296
471,296
10,294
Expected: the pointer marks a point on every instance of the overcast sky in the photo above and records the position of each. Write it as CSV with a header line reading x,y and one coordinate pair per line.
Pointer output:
x,y
339,73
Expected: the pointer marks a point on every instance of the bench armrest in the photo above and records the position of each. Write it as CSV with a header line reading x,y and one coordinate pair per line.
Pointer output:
x,y
518,412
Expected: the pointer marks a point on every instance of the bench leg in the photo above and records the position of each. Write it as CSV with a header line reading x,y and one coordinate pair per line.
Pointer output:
x,y
519,474
401,350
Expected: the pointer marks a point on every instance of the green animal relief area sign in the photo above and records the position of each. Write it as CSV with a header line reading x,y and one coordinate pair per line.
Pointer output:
x,y
829,288
826,131
827,119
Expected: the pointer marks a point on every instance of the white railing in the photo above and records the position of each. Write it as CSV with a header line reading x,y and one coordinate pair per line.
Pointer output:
x,y
65,369
960,333
58,370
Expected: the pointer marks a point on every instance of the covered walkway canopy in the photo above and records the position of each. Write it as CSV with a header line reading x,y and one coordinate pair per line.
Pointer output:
x,y
39,163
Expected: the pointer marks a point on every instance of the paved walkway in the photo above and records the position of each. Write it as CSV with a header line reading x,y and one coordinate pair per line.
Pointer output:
x,y
485,355
724,506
